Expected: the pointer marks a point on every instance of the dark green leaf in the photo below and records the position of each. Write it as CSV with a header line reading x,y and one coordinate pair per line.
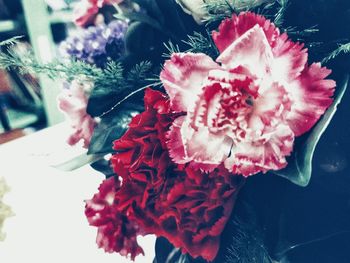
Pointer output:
x,y
111,128
108,88
140,17
299,167
151,8
141,38
103,166
174,17
101,100
167,253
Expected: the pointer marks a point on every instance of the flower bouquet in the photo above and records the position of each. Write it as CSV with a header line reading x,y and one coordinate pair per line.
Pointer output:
x,y
208,114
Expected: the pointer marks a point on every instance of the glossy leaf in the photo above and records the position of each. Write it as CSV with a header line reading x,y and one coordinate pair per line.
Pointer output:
x,y
111,128
299,167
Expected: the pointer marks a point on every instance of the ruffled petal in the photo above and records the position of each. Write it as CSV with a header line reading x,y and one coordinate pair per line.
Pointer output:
x,y
267,153
251,50
273,104
116,233
311,95
232,29
290,59
203,149
183,77
175,142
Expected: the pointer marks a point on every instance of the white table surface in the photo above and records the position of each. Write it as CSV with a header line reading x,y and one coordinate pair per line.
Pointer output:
x,y
50,225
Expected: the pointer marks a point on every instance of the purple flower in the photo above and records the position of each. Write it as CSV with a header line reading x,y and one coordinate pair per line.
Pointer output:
x,y
96,44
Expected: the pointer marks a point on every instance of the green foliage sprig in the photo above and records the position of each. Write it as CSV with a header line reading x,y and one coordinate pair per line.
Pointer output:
x,y
54,70
279,16
342,49
221,9
199,43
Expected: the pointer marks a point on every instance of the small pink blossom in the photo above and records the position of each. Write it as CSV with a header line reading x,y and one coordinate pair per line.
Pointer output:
x,y
245,109
73,102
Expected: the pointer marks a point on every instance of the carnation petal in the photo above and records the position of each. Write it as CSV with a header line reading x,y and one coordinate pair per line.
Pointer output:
x,y
231,29
116,233
204,149
290,59
250,157
183,77
311,95
272,104
251,50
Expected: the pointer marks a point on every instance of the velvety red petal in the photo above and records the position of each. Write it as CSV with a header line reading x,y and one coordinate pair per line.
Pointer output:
x,y
188,207
183,77
116,233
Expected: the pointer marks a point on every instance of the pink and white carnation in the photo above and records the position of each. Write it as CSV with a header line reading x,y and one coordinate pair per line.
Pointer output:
x,y
73,102
245,109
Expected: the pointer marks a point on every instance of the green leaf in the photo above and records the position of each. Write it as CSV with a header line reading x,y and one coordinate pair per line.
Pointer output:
x,y
103,166
299,167
108,88
140,17
101,100
141,38
111,128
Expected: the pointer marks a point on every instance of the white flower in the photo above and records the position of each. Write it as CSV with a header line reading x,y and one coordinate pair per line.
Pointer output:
x,y
5,211
195,8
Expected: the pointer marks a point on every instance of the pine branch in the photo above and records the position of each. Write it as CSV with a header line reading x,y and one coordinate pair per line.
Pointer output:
x,y
11,41
279,17
293,31
110,78
199,43
343,48
139,73
221,9
247,244
218,10
54,70
171,48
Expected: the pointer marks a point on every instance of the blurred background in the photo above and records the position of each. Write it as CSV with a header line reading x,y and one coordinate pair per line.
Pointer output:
x,y
28,102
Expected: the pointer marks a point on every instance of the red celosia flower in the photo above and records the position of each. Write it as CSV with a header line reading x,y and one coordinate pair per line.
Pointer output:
x,y
188,207
87,10
116,233
245,109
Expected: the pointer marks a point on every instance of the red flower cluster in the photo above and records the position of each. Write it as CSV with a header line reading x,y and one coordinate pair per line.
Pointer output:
x,y
188,207
115,232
